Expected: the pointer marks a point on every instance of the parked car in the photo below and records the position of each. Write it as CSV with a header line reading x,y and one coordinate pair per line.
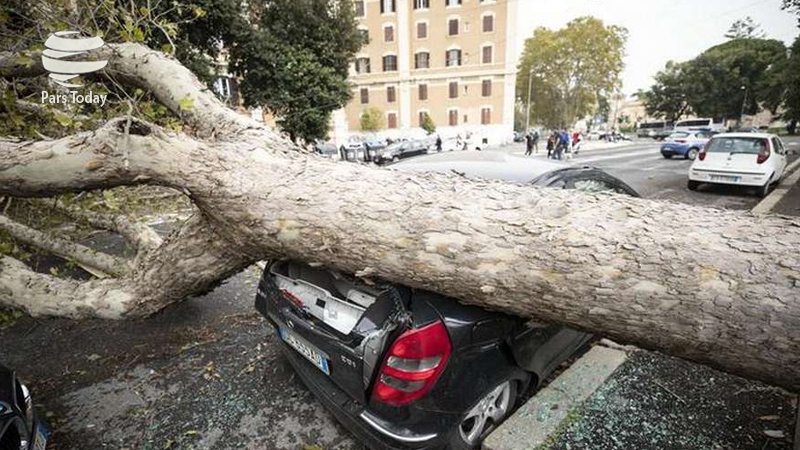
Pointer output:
x,y
408,368
399,150
373,145
19,427
745,159
325,148
685,143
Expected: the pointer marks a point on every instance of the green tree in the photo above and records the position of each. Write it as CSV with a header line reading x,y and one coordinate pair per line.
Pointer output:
x,y
571,68
668,97
427,124
792,83
295,62
372,119
745,28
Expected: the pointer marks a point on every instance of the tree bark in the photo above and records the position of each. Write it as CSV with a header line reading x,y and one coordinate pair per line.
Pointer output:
x,y
724,291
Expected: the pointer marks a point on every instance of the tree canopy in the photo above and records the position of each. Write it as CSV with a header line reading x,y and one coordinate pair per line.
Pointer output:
x,y
737,77
570,69
372,119
745,29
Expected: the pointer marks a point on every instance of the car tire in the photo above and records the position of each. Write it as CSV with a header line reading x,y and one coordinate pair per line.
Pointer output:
x,y
667,155
692,153
494,407
763,191
692,185
395,158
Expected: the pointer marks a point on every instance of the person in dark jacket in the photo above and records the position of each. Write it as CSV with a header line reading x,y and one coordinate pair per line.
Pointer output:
x,y
551,144
528,144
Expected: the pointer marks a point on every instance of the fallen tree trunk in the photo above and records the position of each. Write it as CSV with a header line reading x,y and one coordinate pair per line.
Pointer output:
x,y
723,292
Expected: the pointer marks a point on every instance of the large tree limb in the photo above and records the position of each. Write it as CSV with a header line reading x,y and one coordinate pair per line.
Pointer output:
x,y
66,249
138,234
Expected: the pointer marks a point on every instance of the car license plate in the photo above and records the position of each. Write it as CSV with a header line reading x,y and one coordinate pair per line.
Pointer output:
x,y
41,438
310,352
725,178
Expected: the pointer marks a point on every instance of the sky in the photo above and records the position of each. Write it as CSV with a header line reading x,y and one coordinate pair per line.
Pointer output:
x,y
659,30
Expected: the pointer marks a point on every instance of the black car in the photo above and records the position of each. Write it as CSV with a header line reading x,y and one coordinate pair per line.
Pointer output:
x,y
19,428
406,368
400,150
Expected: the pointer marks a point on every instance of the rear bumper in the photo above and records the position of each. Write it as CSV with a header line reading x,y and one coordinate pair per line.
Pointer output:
x,y
671,150
373,432
730,178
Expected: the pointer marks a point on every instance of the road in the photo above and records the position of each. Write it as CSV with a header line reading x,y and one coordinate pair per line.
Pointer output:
x,y
207,373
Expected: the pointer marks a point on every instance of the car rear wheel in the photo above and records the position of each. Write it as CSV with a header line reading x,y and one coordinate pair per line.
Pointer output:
x,y
692,185
763,191
692,154
395,158
667,155
485,416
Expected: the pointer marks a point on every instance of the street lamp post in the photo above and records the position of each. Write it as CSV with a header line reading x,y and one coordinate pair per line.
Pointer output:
x,y
528,108
744,102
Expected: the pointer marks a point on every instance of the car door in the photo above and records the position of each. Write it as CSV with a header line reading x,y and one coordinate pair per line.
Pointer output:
x,y
780,153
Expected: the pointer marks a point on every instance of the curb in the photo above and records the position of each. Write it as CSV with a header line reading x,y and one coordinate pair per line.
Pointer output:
x,y
541,416
791,177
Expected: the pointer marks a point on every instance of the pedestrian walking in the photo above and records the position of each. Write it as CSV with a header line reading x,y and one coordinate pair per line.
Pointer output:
x,y
438,143
536,141
563,143
551,145
577,139
528,144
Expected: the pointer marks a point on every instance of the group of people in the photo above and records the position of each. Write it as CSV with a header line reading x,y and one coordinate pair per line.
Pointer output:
x,y
560,144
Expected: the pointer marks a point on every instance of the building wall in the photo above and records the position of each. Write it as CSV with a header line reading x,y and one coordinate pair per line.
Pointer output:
x,y
471,39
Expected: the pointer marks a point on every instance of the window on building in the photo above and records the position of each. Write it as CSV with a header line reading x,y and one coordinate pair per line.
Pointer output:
x,y
364,96
388,33
359,4
388,6
422,60
486,88
422,30
391,120
222,86
390,94
486,116
423,91
486,53
453,58
465,118
452,2
389,63
422,4
452,27
422,115
362,65
453,89
452,117
488,23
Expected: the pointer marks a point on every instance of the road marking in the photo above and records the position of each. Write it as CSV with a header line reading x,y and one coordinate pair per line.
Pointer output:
x,y
766,205
617,156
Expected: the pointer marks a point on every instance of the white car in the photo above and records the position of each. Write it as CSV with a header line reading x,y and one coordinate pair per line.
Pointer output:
x,y
745,159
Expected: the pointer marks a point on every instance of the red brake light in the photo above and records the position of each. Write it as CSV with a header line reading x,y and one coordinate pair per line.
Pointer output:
x,y
763,155
680,141
413,364
292,298
702,155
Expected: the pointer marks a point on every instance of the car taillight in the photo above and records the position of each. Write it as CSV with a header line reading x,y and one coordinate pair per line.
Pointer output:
x,y
292,298
413,364
680,141
763,155
702,155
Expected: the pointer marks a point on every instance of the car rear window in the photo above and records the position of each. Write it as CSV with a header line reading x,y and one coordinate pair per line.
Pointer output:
x,y
749,145
678,135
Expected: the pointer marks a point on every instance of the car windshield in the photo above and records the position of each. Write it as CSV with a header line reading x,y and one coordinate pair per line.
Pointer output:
x,y
749,145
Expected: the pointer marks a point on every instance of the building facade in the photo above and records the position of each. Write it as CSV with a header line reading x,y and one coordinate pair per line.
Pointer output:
x,y
451,59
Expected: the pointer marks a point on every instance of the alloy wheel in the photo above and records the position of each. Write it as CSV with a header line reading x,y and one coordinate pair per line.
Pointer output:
x,y
492,409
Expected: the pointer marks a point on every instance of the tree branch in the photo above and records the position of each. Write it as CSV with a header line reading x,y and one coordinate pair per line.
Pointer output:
x,y
138,234
85,256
